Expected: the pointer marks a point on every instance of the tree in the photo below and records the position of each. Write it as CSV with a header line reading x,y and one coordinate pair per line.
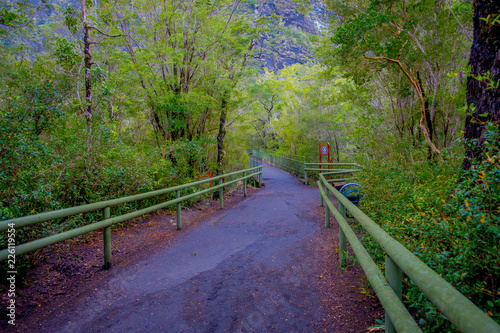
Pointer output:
x,y
483,88
413,37
88,41
185,58
264,98
12,16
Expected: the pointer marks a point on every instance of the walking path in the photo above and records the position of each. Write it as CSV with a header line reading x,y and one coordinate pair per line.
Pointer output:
x,y
248,269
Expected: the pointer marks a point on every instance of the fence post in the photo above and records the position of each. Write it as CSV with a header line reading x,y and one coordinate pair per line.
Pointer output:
x,y
394,276
178,209
260,175
320,196
107,241
221,194
327,210
342,238
244,185
305,174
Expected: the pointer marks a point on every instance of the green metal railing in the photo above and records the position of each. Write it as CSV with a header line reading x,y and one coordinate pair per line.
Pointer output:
x,y
326,169
256,161
456,307
296,165
109,221
288,162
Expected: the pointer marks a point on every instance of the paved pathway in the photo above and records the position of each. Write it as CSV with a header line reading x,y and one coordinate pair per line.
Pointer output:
x,y
245,270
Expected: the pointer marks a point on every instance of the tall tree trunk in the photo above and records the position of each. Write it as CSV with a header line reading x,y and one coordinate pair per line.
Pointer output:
x,y
337,148
428,119
481,98
88,85
221,152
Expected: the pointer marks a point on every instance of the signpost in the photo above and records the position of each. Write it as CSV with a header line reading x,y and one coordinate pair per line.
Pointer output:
x,y
324,150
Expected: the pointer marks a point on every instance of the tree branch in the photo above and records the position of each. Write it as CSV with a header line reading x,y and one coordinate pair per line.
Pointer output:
x,y
420,95
105,34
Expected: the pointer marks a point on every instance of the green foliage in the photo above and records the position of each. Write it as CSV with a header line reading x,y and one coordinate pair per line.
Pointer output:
x,y
71,19
47,161
294,109
448,219
401,53
12,16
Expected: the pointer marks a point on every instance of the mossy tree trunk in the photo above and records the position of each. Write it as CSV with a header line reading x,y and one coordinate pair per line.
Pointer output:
x,y
483,92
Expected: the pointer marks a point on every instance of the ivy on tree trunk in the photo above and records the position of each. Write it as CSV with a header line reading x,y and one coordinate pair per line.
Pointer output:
x,y
221,153
483,97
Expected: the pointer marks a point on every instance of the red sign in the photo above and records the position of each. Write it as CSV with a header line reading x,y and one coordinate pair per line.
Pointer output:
x,y
324,150
207,176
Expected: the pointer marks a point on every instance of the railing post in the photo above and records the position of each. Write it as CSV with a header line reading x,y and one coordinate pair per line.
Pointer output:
x,y
221,194
394,276
305,174
244,185
178,209
320,196
327,210
260,175
107,241
342,238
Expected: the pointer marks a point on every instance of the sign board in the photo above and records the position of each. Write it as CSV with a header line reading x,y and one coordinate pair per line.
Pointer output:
x,y
324,150
207,176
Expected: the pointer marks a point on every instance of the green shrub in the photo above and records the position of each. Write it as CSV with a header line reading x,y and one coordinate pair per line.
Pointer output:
x,y
446,217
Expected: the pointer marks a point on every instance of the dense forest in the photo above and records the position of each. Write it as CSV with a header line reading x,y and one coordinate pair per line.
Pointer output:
x,y
102,99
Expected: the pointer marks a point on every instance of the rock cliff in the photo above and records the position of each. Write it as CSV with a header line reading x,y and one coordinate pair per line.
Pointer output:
x,y
289,39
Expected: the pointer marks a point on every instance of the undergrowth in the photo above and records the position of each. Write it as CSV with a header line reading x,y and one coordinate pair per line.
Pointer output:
x,y
40,175
445,216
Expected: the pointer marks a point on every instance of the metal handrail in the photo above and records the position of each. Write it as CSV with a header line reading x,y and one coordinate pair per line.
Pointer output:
x,y
336,164
464,315
296,157
43,217
332,171
301,167
329,172
108,221
288,164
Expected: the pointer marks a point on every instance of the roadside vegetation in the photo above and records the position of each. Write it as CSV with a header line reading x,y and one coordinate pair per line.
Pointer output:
x,y
389,92
128,97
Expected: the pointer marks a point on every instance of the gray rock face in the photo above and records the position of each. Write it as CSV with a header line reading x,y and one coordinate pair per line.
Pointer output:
x,y
289,40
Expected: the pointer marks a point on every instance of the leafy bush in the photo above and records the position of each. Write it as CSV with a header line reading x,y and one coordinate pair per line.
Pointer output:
x,y
446,217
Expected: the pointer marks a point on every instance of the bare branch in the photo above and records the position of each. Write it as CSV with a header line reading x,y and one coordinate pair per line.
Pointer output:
x,y
105,34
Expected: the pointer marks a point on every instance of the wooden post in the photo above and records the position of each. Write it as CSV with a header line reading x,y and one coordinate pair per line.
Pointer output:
x,y
107,241
221,194
394,276
244,185
342,238
178,210
327,210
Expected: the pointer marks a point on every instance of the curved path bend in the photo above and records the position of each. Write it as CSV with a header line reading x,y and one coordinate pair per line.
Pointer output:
x,y
248,269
